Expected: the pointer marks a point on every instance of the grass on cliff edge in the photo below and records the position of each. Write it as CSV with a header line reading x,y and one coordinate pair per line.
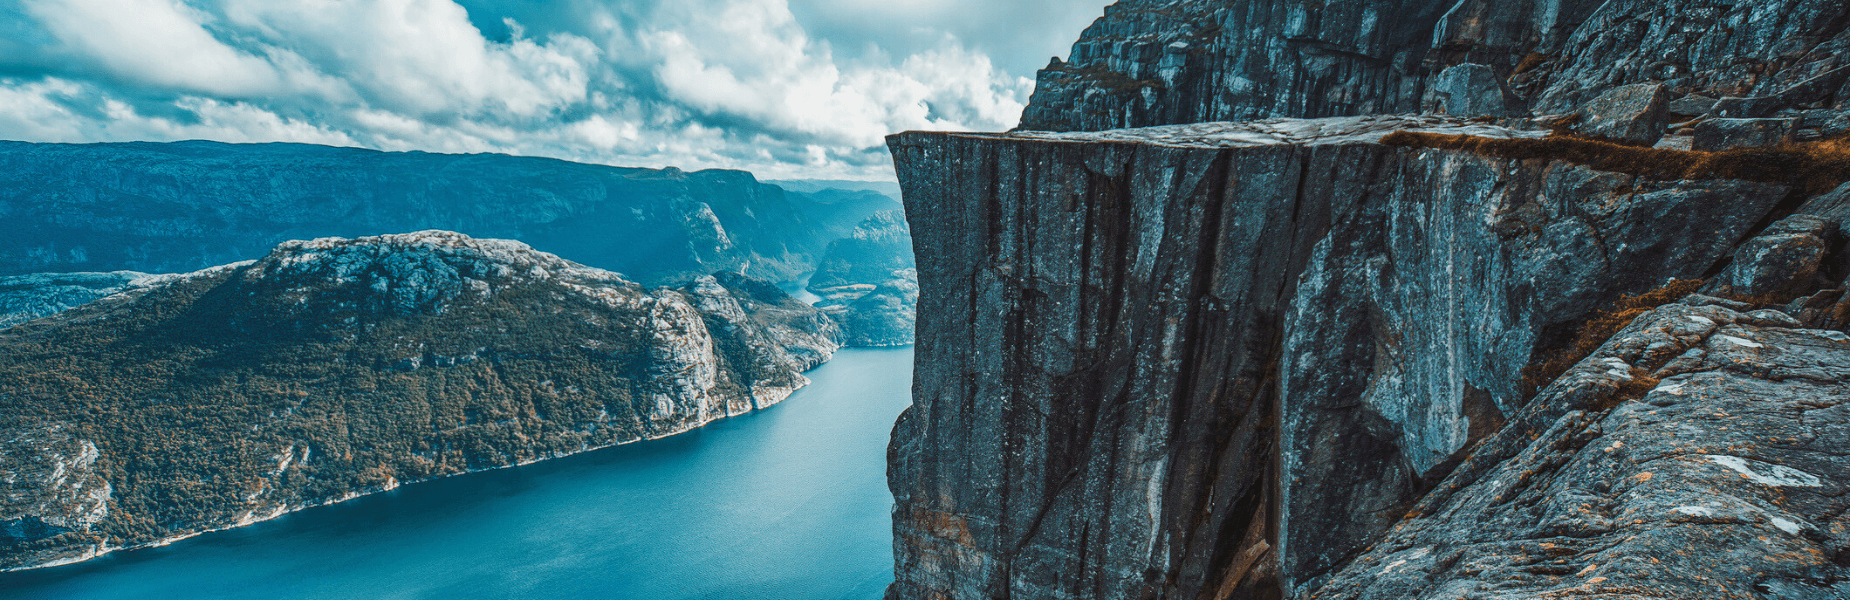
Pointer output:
x,y
1816,167
1550,364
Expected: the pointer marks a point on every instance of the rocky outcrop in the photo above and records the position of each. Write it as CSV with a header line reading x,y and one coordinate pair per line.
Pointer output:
x,y
868,282
189,205
1221,360
1696,454
51,493
1159,62
27,297
337,367
1181,357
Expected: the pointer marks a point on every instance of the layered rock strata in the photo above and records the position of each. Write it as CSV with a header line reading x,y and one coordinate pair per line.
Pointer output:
x,y
333,368
1220,360
1696,454
1158,62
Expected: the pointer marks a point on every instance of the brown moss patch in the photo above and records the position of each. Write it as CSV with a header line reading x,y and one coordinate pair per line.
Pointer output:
x,y
1550,364
1529,63
1815,167
1635,388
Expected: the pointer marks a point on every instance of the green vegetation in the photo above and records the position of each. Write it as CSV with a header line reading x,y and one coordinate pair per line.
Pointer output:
x,y
218,396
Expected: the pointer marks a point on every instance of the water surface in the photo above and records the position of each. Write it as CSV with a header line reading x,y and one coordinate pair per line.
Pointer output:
x,y
786,503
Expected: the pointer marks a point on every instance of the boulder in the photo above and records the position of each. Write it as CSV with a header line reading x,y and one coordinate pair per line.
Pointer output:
x,y
1468,90
1785,259
1722,134
1746,108
1635,113
1692,106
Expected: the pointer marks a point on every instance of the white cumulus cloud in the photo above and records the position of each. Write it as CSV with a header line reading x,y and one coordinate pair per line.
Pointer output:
x,y
692,83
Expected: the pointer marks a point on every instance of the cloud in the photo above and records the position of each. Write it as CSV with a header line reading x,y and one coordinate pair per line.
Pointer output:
x,y
58,110
693,83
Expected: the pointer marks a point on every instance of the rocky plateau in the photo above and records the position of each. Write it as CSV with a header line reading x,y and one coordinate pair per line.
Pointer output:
x,y
1390,299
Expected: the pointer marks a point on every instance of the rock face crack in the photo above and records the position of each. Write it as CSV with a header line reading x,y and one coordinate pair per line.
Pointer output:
x,y
1205,332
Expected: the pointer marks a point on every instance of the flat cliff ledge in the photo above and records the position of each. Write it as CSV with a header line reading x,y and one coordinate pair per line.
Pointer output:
x,y
1224,360
1332,131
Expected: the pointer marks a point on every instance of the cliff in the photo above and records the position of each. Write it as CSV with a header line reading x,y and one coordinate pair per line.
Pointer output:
x,y
1160,62
1162,354
1272,339
868,282
333,368
1697,454
190,205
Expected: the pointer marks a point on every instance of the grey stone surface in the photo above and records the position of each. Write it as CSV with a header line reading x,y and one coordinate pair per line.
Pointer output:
x,y
1782,261
1181,357
1108,323
50,486
1739,49
1692,105
1723,134
1826,123
1746,108
1698,454
1633,113
1468,90
1456,300
1159,62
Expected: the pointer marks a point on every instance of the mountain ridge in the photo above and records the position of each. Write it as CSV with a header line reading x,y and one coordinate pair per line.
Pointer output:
x,y
182,206
336,367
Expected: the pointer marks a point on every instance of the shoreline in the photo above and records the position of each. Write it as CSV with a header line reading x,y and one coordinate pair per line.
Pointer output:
x,y
393,484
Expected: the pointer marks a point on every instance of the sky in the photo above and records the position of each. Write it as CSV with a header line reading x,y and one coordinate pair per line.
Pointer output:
x,y
784,88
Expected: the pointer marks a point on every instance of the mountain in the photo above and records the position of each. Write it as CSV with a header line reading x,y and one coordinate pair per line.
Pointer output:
x,y
27,297
1577,329
333,368
173,207
869,282
889,189
836,213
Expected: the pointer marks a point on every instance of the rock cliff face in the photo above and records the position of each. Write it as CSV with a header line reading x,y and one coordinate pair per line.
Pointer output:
x,y
869,282
1300,358
1696,454
1273,338
332,368
1157,62
189,205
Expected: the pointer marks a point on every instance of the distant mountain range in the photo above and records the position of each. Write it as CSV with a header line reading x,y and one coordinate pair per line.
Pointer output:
x,y
869,282
176,207
812,186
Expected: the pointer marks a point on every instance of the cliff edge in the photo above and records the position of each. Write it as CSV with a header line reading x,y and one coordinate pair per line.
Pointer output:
x,y
1569,324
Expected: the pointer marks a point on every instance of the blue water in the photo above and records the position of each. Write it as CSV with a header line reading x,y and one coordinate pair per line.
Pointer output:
x,y
786,503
